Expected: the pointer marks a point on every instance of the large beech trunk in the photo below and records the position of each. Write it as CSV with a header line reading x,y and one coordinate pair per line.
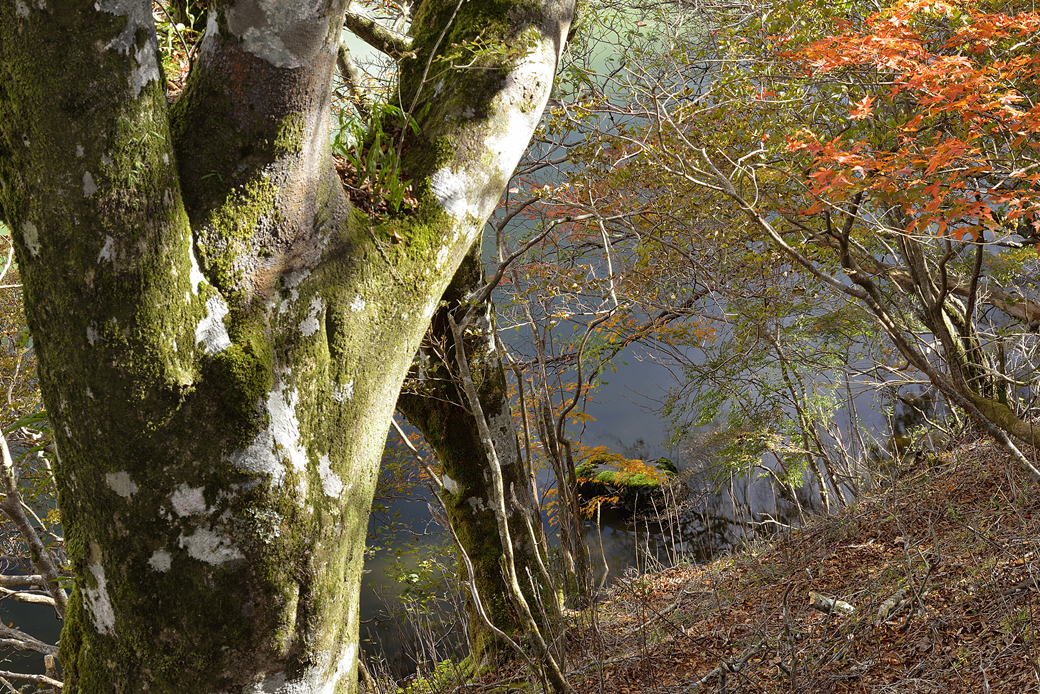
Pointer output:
x,y
221,336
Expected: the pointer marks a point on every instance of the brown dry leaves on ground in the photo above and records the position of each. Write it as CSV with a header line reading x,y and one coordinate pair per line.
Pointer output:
x,y
942,570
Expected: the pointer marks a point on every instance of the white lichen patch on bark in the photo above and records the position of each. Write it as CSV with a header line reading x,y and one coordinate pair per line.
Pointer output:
x,y
188,501
211,333
449,484
331,484
89,187
295,279
267,524
285,34
107,252
431,306
346,662
357,305
279,443
291,282
314,680
450,190
278,683
98,603
209,546
21,9
148,66
310,325
487,326
286,304
160,561
120,483
31,236
344,392
195,277
503,436
473,189
92,335
138,16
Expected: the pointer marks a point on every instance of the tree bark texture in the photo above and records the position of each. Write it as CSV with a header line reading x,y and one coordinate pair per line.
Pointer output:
x,y
437,407
221,335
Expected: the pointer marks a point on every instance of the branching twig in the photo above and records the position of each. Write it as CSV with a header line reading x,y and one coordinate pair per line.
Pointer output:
x,y
727,667
12,508
396,45
28,598
790,641
15,638
351,75
550,665
26,677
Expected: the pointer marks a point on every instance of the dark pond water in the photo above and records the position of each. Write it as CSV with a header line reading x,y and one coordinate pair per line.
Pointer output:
x,y
713,520
40,621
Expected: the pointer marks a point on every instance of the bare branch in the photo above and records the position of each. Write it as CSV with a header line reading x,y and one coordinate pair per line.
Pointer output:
x,y
28,598
10,581
12,508
396,45
38,679
351,75
15,638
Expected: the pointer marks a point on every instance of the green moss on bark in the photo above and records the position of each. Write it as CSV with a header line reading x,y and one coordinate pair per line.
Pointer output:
x,y
506,32
289,136
242,375
230,227
226,559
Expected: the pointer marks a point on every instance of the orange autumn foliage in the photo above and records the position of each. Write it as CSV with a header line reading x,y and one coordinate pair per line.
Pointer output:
x,y
946,127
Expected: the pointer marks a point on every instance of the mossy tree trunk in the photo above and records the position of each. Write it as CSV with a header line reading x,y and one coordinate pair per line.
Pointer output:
x,y
437,407
221,336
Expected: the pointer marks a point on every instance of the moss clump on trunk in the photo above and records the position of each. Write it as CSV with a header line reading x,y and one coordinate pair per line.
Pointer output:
x,y
220,339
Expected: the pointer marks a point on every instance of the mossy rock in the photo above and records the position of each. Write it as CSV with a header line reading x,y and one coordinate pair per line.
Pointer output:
x,y
633,483
666,466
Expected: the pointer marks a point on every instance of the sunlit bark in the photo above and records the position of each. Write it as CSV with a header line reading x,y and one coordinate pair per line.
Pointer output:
x,y
221,335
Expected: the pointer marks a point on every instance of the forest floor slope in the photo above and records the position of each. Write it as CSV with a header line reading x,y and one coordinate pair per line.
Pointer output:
x,y
941,568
